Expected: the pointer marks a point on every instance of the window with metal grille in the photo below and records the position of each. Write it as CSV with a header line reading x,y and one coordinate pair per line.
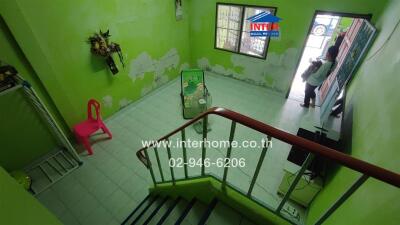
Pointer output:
x,y
233,30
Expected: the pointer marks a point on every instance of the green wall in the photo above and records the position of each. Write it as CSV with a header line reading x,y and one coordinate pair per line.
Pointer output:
x,y
278,69
24,136
53,35
18,207
372,99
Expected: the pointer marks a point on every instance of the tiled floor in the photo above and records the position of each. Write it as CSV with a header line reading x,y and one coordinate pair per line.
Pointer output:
x,y
112,182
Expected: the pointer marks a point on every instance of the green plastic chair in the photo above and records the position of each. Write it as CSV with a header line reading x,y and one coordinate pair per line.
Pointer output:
x,y
194,93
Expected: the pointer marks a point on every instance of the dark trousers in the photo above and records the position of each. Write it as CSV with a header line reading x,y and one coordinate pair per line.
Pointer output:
x,y
309,93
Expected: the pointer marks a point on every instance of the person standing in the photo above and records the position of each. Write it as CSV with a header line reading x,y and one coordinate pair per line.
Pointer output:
x,y
317,78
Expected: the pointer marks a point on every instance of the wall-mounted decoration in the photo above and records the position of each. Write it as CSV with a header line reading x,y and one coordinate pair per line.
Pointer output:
x,y
100,45
178,10
7,77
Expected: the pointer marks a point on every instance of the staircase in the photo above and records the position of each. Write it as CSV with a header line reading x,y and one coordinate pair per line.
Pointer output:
x,y
203,198
157,210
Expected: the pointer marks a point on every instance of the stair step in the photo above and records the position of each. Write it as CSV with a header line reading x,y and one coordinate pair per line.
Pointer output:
x,y
147,212
223,214
208,211
139,210
176,213
136,211
195,214
166,211
157,211
186,211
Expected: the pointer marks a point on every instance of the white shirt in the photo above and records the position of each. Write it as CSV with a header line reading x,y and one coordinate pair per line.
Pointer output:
x,y
318,77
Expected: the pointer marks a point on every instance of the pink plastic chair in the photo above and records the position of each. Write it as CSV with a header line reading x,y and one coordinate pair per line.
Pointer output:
x,y
86,128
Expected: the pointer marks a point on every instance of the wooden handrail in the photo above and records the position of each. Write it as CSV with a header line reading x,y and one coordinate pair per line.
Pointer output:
x,y
310,146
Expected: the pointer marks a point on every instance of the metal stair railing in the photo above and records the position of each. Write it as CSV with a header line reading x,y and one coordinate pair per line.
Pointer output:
x,y
366,169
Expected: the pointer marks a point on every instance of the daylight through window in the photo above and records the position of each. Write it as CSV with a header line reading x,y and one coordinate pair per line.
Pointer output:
x,y
233,30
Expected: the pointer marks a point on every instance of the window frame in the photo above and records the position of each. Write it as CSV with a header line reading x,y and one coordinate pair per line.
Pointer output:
x,y
264,56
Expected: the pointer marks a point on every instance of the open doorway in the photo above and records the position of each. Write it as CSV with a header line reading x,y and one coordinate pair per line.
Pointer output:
x,y
324,30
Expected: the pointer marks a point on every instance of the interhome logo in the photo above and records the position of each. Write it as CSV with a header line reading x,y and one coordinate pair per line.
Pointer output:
x,y
264,25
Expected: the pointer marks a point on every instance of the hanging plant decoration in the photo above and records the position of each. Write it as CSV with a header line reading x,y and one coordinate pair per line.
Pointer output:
x,y
100,45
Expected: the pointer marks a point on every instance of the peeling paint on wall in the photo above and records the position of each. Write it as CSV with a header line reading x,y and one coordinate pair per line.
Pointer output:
x,y
107,101
146,90
271,73
203,63
141,65
184,66
144,63
124,102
